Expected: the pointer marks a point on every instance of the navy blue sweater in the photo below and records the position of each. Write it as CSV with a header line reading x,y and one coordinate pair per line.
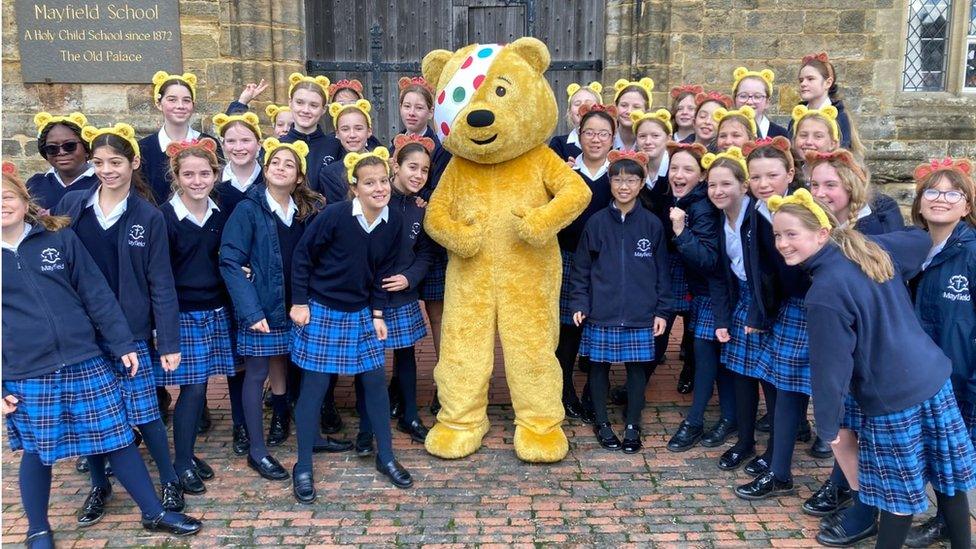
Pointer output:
x,y
563,148
228,197
54,299
320,152
194,255
864,337
334,152
775,130
155,165
332,182
46,191
885,216
698,243
570,236
620,270
944,305
340,265
843,124
724,285
415,249
147,292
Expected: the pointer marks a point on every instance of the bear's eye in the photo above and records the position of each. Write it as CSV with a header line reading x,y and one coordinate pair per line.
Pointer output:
x,y
500,91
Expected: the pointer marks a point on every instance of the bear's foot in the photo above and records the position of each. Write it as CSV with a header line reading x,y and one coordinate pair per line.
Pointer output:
x,y
540,448
449,443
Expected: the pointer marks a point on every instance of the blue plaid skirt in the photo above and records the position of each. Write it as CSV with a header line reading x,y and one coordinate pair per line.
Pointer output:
x,y
853,418
565,314
432,288
405,326
337,342
785,357
703,317
679,286
74,411
741,353
968,411
617,343
899,452
139,392
251,343
205,348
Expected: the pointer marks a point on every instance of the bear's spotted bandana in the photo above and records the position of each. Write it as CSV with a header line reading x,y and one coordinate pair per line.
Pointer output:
x,y
461,88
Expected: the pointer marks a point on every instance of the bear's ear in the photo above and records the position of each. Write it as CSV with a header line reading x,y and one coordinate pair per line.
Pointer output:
x,y
534,51
433,65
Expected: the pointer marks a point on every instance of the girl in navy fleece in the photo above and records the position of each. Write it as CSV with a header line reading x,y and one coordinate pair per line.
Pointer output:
x,y
61,397
863,336
59,142
819,88
945,205
568,146
683,112
126,236
307,98
339,303
620,289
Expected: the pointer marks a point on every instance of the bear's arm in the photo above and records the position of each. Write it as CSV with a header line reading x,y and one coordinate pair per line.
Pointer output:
x,y
461,237
570,197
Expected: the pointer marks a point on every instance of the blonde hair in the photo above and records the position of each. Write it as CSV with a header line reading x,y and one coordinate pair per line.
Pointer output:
x,y
958,180
857,185
34,216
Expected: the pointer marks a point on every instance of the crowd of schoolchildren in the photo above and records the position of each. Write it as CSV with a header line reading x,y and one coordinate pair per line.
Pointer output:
x,y
283,261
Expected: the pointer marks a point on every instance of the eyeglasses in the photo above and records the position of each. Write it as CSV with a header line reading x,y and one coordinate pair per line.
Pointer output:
x,y
52,149
743,97
602,134
620,182
950,197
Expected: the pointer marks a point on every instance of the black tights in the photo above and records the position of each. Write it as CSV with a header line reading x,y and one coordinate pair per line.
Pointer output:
x,y
790,409
255,374
154,436
599,381
569,342
747,408
188,408
405,371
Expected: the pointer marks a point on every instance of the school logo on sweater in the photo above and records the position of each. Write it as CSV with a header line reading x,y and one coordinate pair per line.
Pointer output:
x,y
137,235
643,248
958,289
51,259
414,230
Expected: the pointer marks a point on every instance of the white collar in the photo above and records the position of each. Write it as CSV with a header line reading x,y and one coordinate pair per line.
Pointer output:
x,y
286,217
827,103
181,211
861,214
106,221
582,168
662,171
357,212
763,210
934,252
87,173
13,247
228,175
740,219
165,140
573,137
763,126
618,144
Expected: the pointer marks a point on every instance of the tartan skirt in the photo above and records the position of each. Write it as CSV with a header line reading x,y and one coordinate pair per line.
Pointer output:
x,y
617,343
337,342
432,288
968,411
75,411
139,391
405,326
703,317
784,359
899,452
741,353
205,348
853,417
679,285
565,312
251,343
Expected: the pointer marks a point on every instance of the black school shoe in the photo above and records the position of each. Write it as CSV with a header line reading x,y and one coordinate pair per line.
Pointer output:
x,y
758,466
364,444
928,533
192,483
686,380
242,442
820,449
93,510
734,457
330,445
719,433
834,535
303,486
396,403
765,486
632,439
573,410
687,436
330,420
828,499
606,437
37,540
171,497
202,469
268,467
397,474
178,525
279,429
416,429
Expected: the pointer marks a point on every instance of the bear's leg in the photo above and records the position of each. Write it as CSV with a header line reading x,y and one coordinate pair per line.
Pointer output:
x,y
528,330
463,371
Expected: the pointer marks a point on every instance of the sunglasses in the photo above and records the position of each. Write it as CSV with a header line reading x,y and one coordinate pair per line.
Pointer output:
x,y
53,150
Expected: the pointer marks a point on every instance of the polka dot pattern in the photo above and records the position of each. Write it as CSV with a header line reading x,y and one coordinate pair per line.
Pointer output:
x,y
459,91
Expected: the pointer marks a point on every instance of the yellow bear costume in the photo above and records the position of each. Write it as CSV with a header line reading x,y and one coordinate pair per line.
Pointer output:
x,y
497,209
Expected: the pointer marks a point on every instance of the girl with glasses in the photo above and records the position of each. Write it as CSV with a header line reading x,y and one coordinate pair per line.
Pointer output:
x,y
59,141
755,89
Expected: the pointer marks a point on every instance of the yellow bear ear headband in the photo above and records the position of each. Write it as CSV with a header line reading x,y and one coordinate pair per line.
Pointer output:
x,y
297,78
249,119
125,131
661,115
645,84
595,87
744,111
732,153
801,197
274,110
361,105
44,119
271,146
828,113
766,75
353,159
161,77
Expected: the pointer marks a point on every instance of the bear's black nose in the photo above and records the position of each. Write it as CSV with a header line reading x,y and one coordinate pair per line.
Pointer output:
x,y
480,118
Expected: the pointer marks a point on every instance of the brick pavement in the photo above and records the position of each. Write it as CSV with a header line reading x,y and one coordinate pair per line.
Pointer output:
x,y
593,497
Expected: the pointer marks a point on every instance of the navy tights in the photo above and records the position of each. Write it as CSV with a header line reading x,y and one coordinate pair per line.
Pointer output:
x,y
154,436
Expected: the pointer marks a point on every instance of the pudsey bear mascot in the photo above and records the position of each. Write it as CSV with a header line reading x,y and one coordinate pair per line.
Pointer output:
x,y
497,209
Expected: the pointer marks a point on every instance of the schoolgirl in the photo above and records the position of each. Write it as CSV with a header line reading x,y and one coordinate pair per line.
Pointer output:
x,y
126,237
777,307
261,235
61,396
281,119
597,127
818,89
653,130
734,128
175,96
344,92
416,102
354,127
629,95
945,205
620,296
308,98
194,225
695,224
339,300
814,130
862,336
568,146
755,90
59,142
705,126
683,111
